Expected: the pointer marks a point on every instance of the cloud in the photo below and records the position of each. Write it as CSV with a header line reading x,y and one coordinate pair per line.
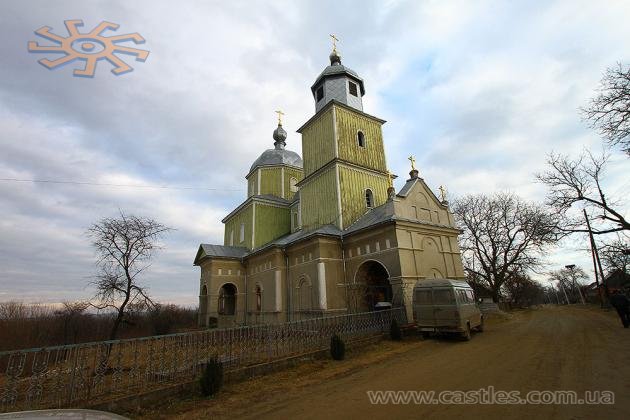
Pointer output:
x,y
479,92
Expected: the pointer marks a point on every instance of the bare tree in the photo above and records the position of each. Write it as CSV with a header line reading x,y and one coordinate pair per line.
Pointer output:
x,y
502,237
124,247
570,281
580,181
609,111
523,291
72,316
615,255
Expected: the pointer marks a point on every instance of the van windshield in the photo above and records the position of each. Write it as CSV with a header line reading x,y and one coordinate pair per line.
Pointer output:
x,y
443,297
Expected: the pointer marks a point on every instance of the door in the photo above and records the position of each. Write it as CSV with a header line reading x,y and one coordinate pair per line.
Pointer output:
x,y
423,307
445,307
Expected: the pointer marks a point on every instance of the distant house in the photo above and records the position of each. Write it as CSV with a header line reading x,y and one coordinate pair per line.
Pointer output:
x,y
591,293
615,280
618,280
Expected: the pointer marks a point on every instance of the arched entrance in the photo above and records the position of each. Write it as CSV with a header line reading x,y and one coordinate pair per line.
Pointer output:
x,y
374,286
227,299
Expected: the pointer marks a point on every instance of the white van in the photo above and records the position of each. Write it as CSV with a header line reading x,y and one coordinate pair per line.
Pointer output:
x,y
445,305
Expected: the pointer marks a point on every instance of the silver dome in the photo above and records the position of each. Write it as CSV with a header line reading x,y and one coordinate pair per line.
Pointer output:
x,y
277,157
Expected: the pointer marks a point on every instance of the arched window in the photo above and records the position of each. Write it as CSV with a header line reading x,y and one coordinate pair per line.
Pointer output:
x,y
295,221
258,298
292,185
369,198
361,139
304,294
241,236
227,299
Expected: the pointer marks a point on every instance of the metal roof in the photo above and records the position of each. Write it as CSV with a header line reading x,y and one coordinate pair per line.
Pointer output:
x,y
338,70
277,157
377,215
221,251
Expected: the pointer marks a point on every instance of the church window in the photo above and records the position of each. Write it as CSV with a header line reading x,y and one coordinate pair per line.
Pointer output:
x,y
367,248
241,236
292,185
295,221
353,88
232,237
387,244
320,93
361,139
369,198
258,298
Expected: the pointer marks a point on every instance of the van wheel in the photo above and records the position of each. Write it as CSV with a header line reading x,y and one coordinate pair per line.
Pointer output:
x,y
480,327
466,334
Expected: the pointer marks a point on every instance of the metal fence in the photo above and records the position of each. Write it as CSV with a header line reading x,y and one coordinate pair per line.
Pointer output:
x,y
86,374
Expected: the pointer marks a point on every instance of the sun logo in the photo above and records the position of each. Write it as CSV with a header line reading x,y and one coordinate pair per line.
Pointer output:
x,y
89,47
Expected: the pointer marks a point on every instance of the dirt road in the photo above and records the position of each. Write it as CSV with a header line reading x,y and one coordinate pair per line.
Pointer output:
x,y
552,348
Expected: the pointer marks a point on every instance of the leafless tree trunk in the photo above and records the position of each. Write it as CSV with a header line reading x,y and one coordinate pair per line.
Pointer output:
x,y
124,247
609,111
503,235
572,182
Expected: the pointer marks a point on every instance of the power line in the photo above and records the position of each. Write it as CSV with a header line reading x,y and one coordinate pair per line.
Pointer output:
x,y
100,184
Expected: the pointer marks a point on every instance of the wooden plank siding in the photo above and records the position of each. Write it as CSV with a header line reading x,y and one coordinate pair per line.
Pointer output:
x,y
354,183
318,199
270,181
252,184
318,146
271,223
349,123
244,216
288,174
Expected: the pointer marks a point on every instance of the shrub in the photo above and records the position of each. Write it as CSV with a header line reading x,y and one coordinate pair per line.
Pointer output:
x,y
394,331
212,377
337,347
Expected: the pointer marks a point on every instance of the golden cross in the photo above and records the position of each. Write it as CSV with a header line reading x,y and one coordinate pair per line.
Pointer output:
x,y
413,162
390,179
442,193
334,41
280,114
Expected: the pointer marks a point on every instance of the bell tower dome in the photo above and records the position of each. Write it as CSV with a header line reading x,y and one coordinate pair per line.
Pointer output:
x,y
338,82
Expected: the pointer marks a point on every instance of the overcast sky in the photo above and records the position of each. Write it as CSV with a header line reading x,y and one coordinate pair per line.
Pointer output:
x,y
478,91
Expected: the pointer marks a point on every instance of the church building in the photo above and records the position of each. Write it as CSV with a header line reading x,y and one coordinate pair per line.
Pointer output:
x,y
326,233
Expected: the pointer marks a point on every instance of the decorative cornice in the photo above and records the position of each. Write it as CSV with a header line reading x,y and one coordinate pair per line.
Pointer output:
x,y
340,105
341,162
